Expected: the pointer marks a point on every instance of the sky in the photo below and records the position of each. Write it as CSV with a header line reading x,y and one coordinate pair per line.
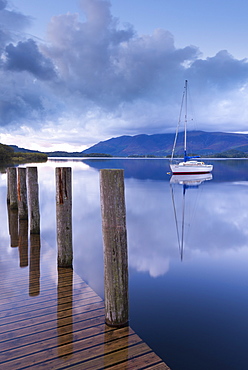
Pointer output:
x,y
78,72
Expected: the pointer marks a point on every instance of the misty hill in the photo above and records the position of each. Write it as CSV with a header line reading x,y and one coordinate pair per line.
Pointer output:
x,y
160,145
199,142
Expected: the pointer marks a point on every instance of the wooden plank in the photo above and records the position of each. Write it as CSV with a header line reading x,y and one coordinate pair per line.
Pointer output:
x,y
43,322
80,341
46,295
79,300
64,327
109,359
51,296
49,276
81,352
45,299
19,288
44,314
77,329
79,305
147,360
25,284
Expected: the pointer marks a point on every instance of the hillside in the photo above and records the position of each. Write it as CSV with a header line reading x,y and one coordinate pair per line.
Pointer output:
x,y
202,143
11,154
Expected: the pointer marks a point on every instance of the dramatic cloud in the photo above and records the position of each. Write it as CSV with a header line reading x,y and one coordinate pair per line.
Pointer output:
x,y
103,79
110,66
12,24
25,56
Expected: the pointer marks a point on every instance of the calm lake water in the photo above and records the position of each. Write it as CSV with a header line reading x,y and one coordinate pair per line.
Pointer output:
x,y
188,254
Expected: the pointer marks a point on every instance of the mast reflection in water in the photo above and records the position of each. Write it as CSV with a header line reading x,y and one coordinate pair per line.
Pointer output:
x,y
188,182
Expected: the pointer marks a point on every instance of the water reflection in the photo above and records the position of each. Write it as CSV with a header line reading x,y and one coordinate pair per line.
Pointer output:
x,y
188,182
211,284
23,243
64,312
13,226
18,225
149,208
142,169
34,265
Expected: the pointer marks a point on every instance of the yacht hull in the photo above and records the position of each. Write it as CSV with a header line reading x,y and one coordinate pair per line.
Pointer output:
x,y
187,169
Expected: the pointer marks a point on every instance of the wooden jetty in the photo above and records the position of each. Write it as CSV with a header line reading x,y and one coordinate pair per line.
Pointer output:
x,y
51,319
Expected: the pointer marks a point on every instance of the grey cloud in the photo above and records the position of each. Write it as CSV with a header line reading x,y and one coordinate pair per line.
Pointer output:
x,y
3,4
24,100
20,106
25,56
12,21
12,25
107,65
98,65
222,71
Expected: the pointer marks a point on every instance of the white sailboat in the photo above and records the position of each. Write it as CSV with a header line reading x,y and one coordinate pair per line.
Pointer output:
x,y
188,166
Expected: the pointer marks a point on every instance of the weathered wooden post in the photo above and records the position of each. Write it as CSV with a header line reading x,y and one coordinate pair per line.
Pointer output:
x,y
115,247
22,193
33,200
12,187
64,216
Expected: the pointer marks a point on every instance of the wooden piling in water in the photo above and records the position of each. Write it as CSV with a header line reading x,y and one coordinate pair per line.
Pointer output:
x,y
22,193
115,247
64,216
12,188
33,200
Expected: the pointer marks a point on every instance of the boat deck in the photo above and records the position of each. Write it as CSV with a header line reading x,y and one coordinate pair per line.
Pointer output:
x,y
51,319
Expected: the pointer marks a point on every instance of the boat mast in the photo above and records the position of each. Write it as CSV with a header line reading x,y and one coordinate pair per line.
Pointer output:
x,y
185,120
178,125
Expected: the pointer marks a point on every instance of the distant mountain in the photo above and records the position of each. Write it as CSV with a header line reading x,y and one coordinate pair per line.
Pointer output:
x,y
160,145
198,142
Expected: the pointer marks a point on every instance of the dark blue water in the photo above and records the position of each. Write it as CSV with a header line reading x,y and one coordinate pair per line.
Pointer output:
x,y
188,254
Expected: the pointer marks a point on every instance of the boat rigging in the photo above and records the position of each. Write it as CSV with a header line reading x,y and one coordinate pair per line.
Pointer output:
x,y
188,166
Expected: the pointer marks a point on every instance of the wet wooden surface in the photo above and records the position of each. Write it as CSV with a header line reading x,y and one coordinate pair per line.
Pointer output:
x,y
51,319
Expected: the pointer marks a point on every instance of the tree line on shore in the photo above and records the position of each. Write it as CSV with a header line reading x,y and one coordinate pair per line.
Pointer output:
x,y
9,156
